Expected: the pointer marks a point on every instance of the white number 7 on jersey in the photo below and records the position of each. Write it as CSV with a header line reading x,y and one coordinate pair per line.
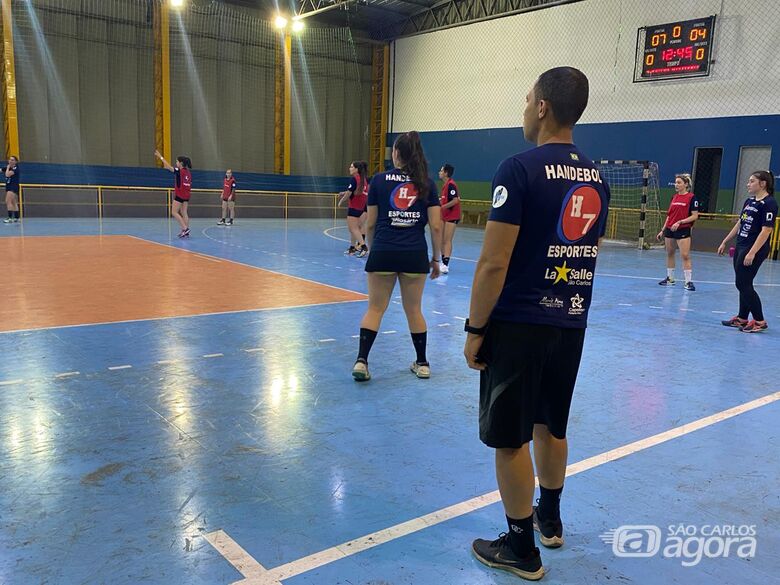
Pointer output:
x,y
404,194
576,211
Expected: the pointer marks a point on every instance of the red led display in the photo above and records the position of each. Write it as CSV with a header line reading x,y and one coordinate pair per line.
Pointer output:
x,y
674,50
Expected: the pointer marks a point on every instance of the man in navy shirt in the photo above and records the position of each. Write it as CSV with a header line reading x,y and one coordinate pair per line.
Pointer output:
x,y
529,307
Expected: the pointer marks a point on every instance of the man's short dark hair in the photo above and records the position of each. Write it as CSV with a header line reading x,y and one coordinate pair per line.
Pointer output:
x,y
566,90
448,168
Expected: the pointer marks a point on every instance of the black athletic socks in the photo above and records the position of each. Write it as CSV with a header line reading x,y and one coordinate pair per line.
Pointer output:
x,y
367,337
420,341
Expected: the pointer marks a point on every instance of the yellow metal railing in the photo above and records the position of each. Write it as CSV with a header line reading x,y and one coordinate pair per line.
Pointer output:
x,y
258,199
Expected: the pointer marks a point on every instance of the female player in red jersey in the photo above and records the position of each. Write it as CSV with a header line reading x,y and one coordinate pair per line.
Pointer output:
x,y
228,199
450,213
182,187
683,212
357,194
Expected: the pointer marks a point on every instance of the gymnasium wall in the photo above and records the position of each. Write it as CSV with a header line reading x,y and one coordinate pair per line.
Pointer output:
x,y
85,87
476,78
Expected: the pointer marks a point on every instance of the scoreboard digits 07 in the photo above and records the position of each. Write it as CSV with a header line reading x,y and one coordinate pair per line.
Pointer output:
x,y
674,50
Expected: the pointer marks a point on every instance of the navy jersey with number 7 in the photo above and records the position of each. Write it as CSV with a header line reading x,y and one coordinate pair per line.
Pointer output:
x,y
402,213
560,201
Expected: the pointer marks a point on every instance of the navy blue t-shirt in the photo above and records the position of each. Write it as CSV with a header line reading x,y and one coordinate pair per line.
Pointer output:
x,y
402,214
12,183
756,215
560,201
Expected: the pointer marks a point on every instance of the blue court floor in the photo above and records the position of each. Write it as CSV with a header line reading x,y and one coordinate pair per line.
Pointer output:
x,y
235,448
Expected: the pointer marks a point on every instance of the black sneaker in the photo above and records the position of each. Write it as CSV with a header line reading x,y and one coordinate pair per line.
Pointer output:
x,y
689,286
221,221
550,531
498,555
229,222
667,282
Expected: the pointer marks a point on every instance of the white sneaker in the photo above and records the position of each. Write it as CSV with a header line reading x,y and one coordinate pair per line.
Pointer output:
x,y
444,269
421,370
9,220
360,372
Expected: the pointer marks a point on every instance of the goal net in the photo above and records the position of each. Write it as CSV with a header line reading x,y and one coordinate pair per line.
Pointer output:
x,y
634,212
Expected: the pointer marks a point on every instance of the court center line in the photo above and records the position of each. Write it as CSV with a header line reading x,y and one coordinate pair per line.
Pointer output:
x,y
66,374
124,367
342,551
11,382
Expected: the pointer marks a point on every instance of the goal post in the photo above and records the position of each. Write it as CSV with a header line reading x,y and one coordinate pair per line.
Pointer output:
x,y
634,210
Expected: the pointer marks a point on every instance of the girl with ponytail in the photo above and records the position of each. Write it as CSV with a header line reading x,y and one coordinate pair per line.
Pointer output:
x,y
357,194
401,202
182,187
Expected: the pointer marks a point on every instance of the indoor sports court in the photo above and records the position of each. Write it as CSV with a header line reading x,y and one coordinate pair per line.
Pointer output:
x,y
177,404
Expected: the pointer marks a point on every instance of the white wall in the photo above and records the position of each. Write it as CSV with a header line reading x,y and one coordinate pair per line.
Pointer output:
x,y
477,76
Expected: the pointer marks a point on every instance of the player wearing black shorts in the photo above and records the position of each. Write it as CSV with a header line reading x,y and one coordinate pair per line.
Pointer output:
x,y
753,231
12,175
529,307
450,213
400,204
683,212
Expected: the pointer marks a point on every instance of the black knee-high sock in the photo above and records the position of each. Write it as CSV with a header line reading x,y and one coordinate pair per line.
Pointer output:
x,y
367,337
445,260
420,340
550,503
521,535
10,214
16,214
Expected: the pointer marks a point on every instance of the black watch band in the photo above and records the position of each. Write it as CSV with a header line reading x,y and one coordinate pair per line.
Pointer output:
x,y
475,330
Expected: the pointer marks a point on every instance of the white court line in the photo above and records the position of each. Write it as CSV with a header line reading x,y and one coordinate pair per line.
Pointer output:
x,y
720,312
114,368
254,349
355,336
655,307
214,355
438,313
164,362
390,332
235,555
11,382
460,318
206,257
185,316
329,339
66,374
247,265
336,553
625,305
444,324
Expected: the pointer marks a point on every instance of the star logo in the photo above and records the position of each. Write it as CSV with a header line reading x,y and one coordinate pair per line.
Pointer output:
x,y
563,273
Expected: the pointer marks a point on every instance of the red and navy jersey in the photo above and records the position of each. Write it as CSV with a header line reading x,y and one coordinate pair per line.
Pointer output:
x,y
358,193
402,213
449,191
683,205
756,215
182,183
228,188
560,201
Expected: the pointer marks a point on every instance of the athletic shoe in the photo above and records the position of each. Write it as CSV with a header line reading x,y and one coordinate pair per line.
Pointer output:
x,y
444,269
735,322
229,222
350,251
754,327
667,282
221,221
421,370
9,220
689,286
362,252
498,555
16,220
550,531
360,371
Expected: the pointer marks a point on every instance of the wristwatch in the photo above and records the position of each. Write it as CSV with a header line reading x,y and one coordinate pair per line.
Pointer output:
x,y
475,330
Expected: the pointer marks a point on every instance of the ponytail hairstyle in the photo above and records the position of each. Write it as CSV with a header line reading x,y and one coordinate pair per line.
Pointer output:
x,y
768,178
410,152
185,161
362,171
686,178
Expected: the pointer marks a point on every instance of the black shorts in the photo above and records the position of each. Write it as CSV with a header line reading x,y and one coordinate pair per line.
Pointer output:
x,y
680,234
529,379
13,190
180,200
455,221
355,212
409,261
